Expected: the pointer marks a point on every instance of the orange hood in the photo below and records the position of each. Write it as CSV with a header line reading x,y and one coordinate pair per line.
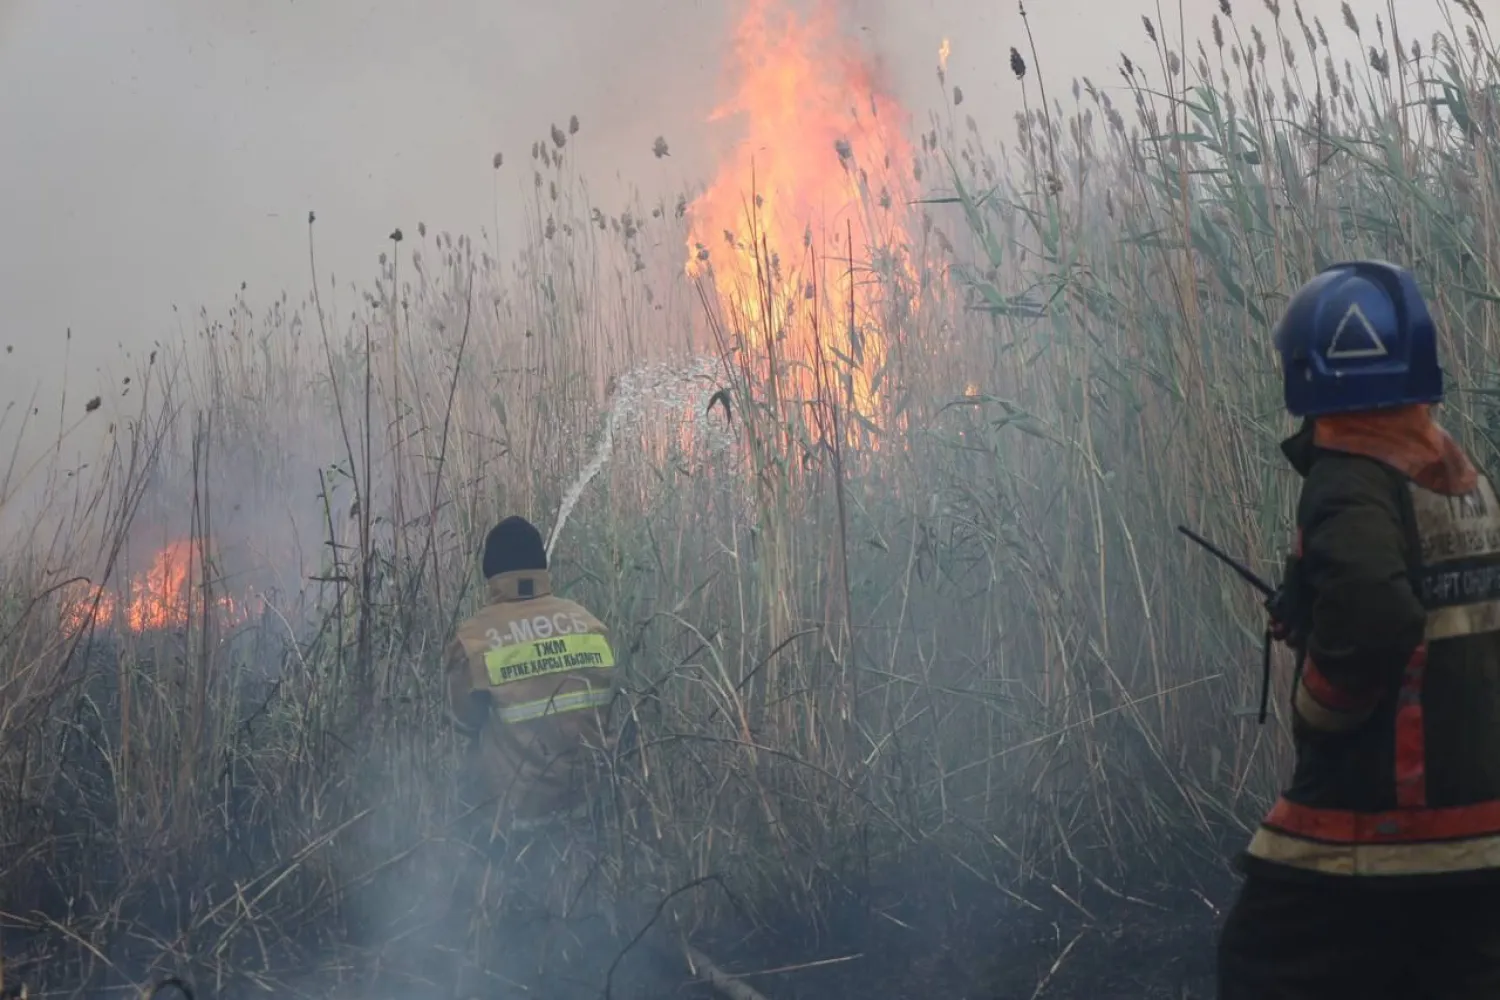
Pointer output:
x,y
1408,440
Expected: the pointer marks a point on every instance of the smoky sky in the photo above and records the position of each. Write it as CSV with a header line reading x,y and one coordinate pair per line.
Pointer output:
x,y
160,153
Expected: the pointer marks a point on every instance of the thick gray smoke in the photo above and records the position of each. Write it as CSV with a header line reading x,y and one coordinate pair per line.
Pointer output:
x,y
174,154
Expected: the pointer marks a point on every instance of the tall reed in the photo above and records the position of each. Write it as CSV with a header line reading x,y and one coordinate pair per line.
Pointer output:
x,y
961,626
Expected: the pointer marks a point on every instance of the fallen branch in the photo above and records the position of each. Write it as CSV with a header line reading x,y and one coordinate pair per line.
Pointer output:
x,y
716,977
1047,979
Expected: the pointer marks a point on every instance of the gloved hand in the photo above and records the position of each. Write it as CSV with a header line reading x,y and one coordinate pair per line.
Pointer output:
x,y
475,714
1284,609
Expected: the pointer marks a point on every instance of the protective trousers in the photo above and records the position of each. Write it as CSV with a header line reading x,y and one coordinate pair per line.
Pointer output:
x,y
1293,940
525,900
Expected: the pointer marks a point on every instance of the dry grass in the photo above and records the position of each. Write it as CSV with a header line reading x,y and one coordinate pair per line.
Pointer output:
x,y
964,628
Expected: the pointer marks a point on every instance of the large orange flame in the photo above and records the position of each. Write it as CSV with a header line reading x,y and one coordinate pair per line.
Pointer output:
x,y
819,166
164,596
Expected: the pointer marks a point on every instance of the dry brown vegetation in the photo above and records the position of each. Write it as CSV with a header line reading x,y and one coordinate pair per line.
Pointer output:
x,y
961,629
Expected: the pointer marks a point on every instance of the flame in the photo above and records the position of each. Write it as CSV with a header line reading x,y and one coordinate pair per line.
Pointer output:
x,y
944,51
818,166
164,596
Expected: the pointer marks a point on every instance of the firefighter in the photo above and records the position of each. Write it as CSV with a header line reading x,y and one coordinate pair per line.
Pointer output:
x,y
529,679
1377,873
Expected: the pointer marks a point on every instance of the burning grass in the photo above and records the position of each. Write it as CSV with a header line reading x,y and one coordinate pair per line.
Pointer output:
x,y
966,632
820,180
164,596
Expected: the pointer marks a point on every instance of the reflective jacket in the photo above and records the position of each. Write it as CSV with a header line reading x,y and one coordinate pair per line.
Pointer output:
x,y
545,668
1396,708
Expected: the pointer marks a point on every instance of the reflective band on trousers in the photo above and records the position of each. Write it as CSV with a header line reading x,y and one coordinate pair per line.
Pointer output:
x,y
572,701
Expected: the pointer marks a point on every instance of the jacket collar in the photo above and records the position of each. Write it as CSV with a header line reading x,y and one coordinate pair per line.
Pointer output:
x,y
1406,439
518,585
1299,450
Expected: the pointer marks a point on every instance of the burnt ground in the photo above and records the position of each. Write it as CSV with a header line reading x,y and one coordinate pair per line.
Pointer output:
x,y
932,932
943,934
923,929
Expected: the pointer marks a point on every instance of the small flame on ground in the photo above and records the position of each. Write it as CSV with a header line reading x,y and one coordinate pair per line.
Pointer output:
x,y
165,596
944,51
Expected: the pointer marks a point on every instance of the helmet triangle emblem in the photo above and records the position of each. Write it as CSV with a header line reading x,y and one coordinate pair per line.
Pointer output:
x,y
1362,340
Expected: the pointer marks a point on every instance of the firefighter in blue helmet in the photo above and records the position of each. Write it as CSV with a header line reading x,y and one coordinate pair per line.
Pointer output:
x,y
1377,873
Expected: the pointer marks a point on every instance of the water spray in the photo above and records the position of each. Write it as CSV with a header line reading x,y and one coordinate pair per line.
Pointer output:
x,y
670,382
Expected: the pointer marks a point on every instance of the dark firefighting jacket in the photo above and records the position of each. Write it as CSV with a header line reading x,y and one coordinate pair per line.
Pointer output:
x,y
1396,708
541,670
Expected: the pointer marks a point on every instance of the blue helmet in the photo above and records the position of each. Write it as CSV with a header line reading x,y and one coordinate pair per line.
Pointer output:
x,y
1358,337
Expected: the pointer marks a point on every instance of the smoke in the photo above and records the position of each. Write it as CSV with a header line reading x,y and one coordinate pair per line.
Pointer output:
x,y
171,160
176,153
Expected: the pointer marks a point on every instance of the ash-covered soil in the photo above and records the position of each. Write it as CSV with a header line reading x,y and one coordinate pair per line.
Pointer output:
x,y
921,930
927,932
942,934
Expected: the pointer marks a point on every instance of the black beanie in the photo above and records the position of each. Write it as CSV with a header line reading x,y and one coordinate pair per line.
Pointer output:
x,y
513,544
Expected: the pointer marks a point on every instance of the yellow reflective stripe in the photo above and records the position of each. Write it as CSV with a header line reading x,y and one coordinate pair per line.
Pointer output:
x,y
1463,619
571,701
559,655
1431,858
